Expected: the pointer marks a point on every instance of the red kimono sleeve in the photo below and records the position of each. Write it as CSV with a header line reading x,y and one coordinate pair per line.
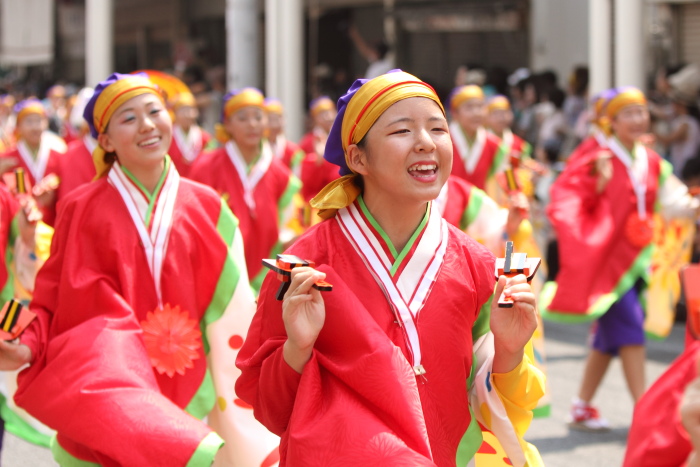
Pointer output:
x,y
91,379
357,400
267,383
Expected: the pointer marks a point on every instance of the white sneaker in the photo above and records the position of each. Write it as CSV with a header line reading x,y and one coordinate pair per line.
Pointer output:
x,y
585,417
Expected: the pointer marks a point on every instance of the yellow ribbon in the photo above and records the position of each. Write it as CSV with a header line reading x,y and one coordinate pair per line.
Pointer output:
x,y
110,99
365,107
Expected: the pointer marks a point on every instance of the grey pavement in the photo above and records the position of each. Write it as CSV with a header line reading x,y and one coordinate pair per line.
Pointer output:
x,y
566,351
559,446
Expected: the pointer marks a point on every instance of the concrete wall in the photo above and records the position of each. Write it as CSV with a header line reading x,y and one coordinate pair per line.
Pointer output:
x,y
559,35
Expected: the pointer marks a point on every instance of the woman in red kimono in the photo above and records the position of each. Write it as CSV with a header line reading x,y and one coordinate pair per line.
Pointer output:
x,y
500,120
141,307
381,370
258,187
38,151
189,140
602,208
478,154
283,149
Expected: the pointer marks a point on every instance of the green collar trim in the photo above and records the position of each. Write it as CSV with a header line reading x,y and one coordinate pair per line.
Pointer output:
x,y
150,196
399,257
255,160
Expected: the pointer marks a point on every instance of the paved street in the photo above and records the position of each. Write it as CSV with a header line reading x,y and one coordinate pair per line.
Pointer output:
x,y
559,446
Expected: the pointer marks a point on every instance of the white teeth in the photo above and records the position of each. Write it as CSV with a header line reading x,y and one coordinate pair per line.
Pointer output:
x,y
149,141
422,167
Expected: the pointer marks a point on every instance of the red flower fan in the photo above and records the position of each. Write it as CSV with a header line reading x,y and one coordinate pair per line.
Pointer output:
x,y
172,340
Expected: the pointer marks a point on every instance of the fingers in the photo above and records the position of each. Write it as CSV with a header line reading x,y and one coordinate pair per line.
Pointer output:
x,y
303,279
500,285
517,288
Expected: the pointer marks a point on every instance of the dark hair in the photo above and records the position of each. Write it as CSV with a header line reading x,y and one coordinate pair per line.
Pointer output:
x,y
556,96
382,48
691,168
580,80
110,157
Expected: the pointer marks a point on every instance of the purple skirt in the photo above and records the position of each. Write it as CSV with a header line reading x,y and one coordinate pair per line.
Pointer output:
x,y
621,325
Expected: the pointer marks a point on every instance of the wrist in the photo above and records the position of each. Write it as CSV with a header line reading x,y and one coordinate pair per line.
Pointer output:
x,y
295,356
506,360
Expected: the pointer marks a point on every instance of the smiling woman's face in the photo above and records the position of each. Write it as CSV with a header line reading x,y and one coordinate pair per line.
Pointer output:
x,y
407,154
139,132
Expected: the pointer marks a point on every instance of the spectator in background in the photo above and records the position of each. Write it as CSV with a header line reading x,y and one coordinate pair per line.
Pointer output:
x,y
575,101
376,53
683,137
56,107
525,124
552,125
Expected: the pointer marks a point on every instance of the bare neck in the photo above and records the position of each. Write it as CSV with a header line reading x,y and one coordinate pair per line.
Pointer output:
x,y
148,176
249,153
398,220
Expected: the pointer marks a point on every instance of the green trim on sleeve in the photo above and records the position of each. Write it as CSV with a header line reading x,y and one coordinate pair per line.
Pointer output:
x,y
297,158
501,153
206,451
476,199
482,324
293,187
66,459
8,288
256,282
638,270
227,225
17,426
14,232
204,399
470,442
664,173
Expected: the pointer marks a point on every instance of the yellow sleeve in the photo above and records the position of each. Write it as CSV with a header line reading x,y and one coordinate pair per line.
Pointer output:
x,y
520,390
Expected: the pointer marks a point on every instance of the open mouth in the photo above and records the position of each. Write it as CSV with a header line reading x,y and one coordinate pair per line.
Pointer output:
x,y
423,172
150,142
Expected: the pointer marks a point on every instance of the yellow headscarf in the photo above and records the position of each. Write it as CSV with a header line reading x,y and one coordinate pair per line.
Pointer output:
x,y
622,98
109,96
235,101
464,93
321,104
358,110
498,103
28,107
181,100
